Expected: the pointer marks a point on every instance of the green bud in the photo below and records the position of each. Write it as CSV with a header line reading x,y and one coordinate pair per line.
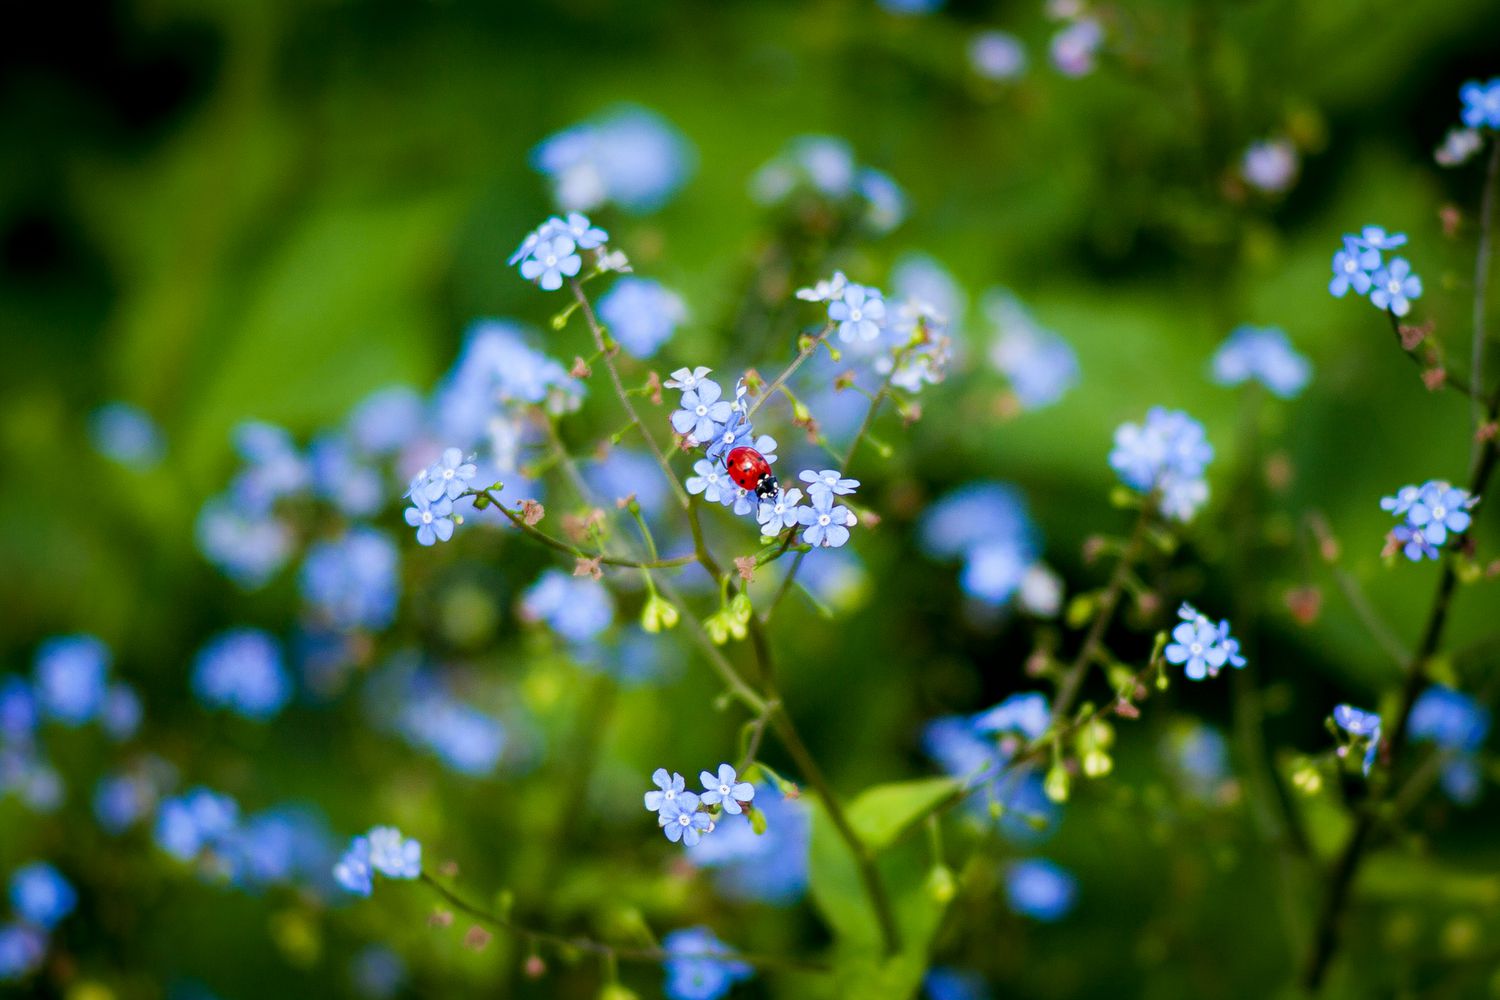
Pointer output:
x,y
1097,763
1080,610
659,613
942,886
1056,785
1124,497
757,820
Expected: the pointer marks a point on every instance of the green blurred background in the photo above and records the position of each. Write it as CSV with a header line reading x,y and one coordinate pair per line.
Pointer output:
x,y
224,211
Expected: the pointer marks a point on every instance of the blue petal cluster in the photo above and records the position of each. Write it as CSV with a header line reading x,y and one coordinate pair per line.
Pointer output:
x,y
1201,647
1458,725
353,582
1390,285
1039,364
1363,729
40,895
628,156
768,867
688,816
1263,354
383,849
985,524
701,967
823,168
126,434
1481,103
1039,889
1430,513
241,670
641,314
1167,455
549,253
577,608
975,749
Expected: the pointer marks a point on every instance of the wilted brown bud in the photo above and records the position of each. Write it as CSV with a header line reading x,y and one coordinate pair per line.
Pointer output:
x,y
1433,379
745,566
588,567
532,513
653,388
1305,604
580,368
440,918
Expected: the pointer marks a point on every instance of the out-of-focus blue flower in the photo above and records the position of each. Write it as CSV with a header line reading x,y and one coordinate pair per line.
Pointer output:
x,y
433,519
126,434
1394,286
273,467
859,313
641,314
30,778
921,277
769,867
497,368
1198,756
1263,353
1270,166
1449,719
72,677
197,821
1481,103
628,156
21,951
121,714
1198,645
1167,454
698,968
393,855
958,747
121,801
280,846
1352,268
725,790
449,476
40,895
825,524
339,477
241,670
352,871
387,420
1039,889
985,524
1040,365
1377,239
1459,147
378,973
467,740
18,712
701,412
576,608
1363,727
681,821
821,163
1027,713
955,984
1075,48
352,581
624,473
912,6
1413,543
249,548
885,202
998,56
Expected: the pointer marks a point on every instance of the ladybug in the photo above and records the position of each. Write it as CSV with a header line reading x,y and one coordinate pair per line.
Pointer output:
x,y
750,471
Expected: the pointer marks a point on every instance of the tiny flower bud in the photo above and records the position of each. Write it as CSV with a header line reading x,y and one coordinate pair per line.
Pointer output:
x,y
942,886
1411,336
440,918
588,567
534,968
653,388
1487,431
658,614
448,869
1127,710
1305,604
580,368
1433,379
1056,784
532,513
745,566
476,938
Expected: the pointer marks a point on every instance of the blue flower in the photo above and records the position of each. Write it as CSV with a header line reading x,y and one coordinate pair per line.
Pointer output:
x,y
725,789
1363,726
122,800
1413,543
1376,238
955,984
1270,166
1039,889
701,411
1027,713
71,678
1395,286
779,512
432,519
1440,509
997,55
1401,501
680,820
819,163
1167,454
1481,103
641,314
353,871
711,481
687,378
387,420
448,477
859,313
196,821
1449,719
769,867
248,547
241,670
353,581
18,712
126,434
121,715
550,261
1199,646
1352,268
22,949
736,433
828,481
1198,756
699,966
577,228
1040,365
1075,47
628,156
885,202
576,608
467,740
393,855
1231,646
669,786
824,524
1262,353
40,895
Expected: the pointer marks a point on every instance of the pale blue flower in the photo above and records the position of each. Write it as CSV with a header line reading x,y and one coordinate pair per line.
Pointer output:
x,y
126,434
725,789
698,966
1363,726
735,433
241,670
1270,166
577,608
641,314
121,715
1199,646
681,821
353,871
22,949
1481,103
779,512
1413,543
577,228
668,787
823,523
1028,714
432,519
1167,454
550,261
628,156
1075,47
448,477
997,55
1376,238
40,895
769,867
827,481
1401,501
701,412
1449,719
387,420
859,313
1039,889
1439,509
199,820
72,678
1039,364
1394,286
393,855
353,581
710,480
1262,353
687,378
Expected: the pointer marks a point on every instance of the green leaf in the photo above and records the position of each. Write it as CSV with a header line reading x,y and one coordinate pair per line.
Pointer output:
x,y
882,814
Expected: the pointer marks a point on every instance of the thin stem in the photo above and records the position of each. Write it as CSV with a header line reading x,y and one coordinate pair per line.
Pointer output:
x,y
780,380
785,588
565,943
557,543
1450,381
1482,276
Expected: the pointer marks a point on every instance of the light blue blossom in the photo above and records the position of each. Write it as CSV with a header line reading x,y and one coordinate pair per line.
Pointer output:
x,y
1394,286
1413,543
998,56
1481,103
725,789
433,519
769,867
779,512
628,156
72,678
353,871
22,949
121,714
577,228
954,984
700,966
859,313
126,434
885,202
1401,501
121,801
550,261
343,479
1028,714
1201,647
1439,509
499,365
1039,364
393,855
668,787
1166,454
576,608
1376,238
1352,268
353,581
711,480
274,470
735,433
386,421
250,548
1363,726
823,523
449,476
241,670
1075,47
823,165
625,472
40,895
681,821
1039,889
18,712
197,821
465,739
687,378
1262,353
987,525
641,314
827,481
1449,719
702,412
1270,165
1198,756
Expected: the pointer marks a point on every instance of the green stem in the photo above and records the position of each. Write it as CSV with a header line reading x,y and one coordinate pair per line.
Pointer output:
x,y
557,543
1482,277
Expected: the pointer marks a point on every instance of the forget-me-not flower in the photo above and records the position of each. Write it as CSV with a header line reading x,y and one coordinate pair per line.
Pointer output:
x,y
1168,454
1039,889
725,789
393,855
641,314
699,966
1439,509
72,678
433,519
827,481
1362,726
711,480
779,512
701,411
353,871
1481,103
824,524
681,821
449,476
241,670
1394,286
668,787
550,261
1201,647
859,313
1027,713
686,378
1262,353
40,895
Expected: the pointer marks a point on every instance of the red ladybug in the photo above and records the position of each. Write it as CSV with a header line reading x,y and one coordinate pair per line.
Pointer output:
x,y
750,471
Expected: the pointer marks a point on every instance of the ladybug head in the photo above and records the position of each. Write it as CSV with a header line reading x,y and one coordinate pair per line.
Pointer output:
x,y
767,486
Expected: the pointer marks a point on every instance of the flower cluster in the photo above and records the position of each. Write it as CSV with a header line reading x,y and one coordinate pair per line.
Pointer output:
x,y
284,845
40,898
1167,456
823,168
689,816
1040,365
1457,725
976,749
1201,647
769,866
1262,354
549,253
905,340
1481,103
628,156
986,525
432,492
382,850
241,670
1390,285
700,966
1430,512
1363,730
1075,46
